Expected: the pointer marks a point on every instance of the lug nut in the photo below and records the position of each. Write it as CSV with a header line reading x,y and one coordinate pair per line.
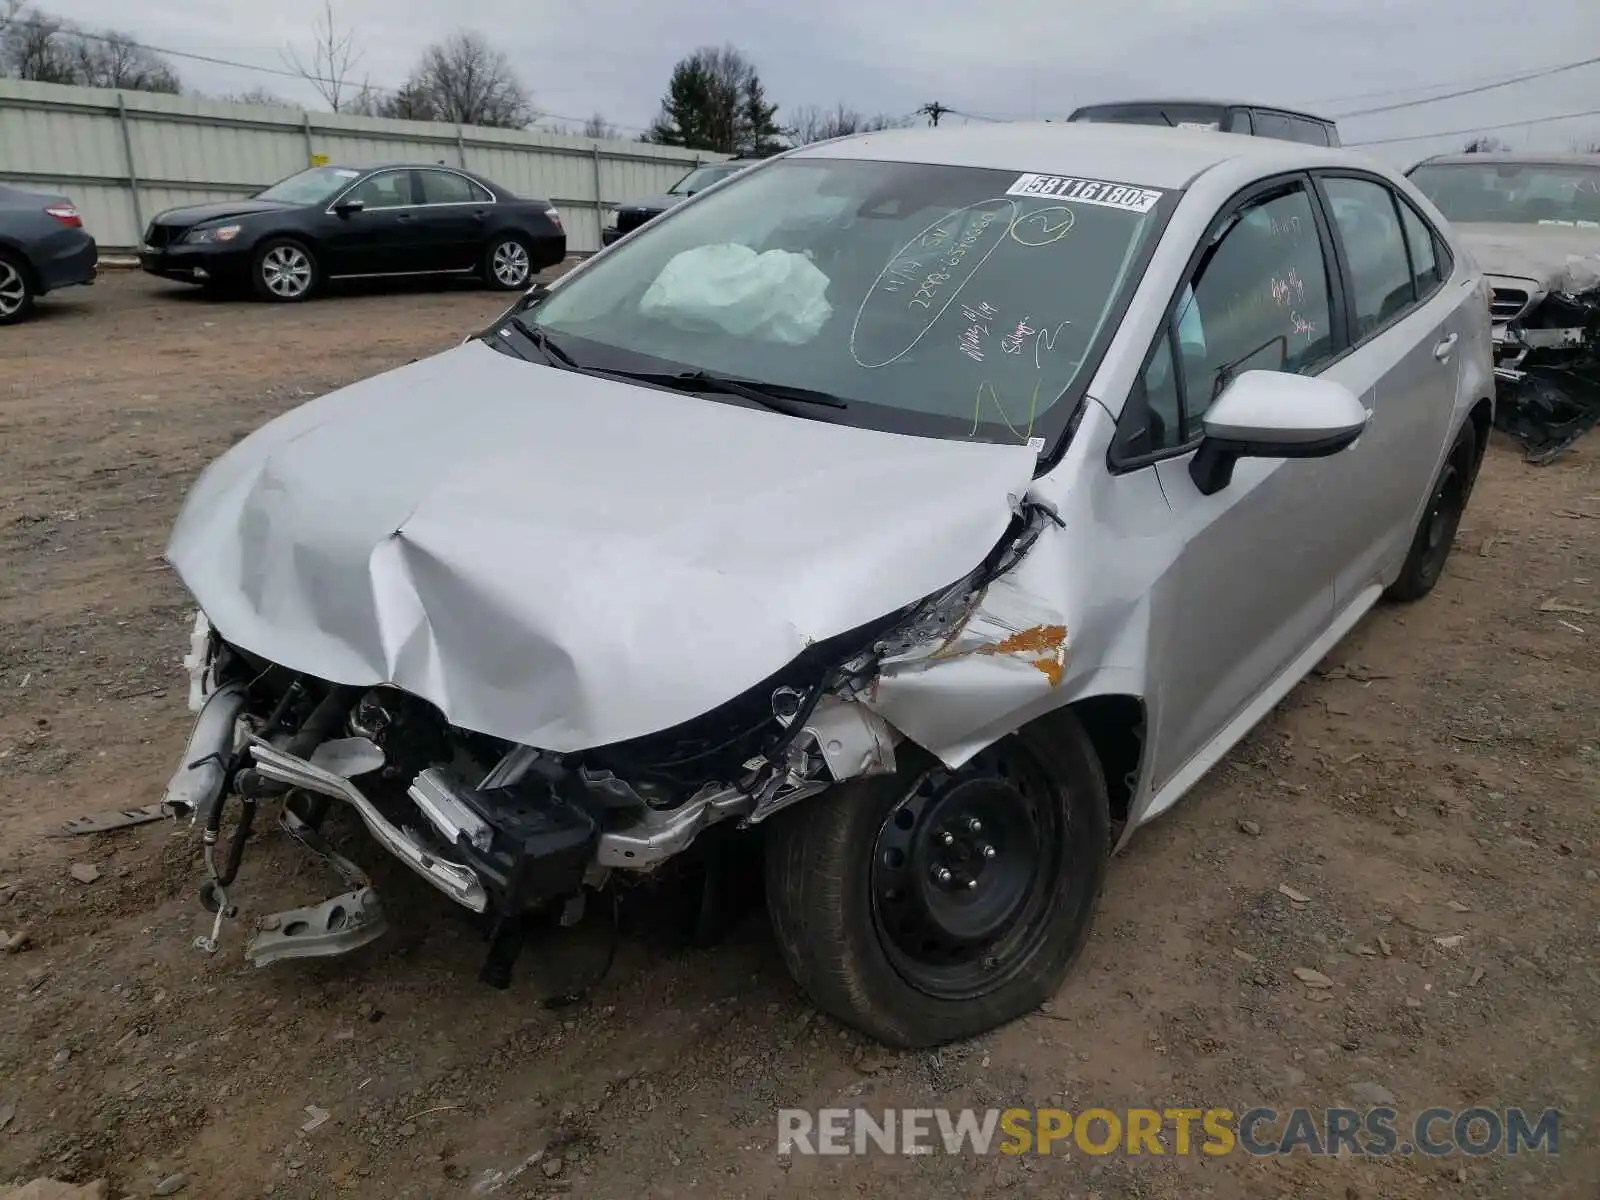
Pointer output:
x,y
971,883
974,825
987,852
942,875
947,839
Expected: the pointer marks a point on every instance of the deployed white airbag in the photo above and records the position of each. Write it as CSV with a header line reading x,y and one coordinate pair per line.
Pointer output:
x,y
775,296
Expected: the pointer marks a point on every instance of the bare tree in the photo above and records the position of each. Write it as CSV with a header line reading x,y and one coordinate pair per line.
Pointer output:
x,y
810,123
258,95
333,57
600,128
32,46
1484,145
35,45
463,80
115,60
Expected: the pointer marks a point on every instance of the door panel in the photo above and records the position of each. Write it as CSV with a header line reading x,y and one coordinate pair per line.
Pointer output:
x,y
1253,583
451,221
1252,593
1404,368
364,243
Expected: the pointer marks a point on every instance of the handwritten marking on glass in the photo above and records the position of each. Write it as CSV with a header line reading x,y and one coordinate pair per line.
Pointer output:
x,y
1042,226
1014,341
1284,226
1046,341
1288,290
928,291
994,215
1301,325
977,329
901,273
994,396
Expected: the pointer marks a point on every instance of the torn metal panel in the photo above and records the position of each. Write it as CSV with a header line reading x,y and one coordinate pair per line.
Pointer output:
x,y
566,561
1547,367
1006,650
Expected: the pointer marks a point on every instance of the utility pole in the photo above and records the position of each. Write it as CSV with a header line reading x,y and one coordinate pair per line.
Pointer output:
x,y
933,112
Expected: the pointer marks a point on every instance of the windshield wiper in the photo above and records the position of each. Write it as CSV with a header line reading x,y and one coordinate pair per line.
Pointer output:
x,y
554,354
776,396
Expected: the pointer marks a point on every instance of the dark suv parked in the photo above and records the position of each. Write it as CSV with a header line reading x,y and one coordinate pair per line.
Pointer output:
x,y
1226,115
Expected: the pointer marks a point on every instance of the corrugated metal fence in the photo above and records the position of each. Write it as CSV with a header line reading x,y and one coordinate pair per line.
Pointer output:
x,y
124,156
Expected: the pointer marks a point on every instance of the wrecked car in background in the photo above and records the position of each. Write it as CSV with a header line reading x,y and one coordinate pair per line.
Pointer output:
x,y
819,522
1532,222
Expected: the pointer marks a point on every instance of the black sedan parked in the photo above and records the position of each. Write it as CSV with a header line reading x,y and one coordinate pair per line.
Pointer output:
x,y
328,223
636,212
43,246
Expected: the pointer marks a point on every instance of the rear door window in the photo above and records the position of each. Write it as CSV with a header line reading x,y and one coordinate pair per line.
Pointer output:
x,y
446,187
1369,229
1423,243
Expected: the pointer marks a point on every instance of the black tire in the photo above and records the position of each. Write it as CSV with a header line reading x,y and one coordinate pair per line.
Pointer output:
x,y
508,263
285,271
1436,532
17,289
889,965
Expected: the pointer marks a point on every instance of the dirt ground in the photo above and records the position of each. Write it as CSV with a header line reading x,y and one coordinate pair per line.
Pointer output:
x,y
1430,795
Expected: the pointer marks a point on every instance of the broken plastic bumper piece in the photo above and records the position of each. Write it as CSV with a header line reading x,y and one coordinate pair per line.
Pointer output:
x,y
455,880
335,926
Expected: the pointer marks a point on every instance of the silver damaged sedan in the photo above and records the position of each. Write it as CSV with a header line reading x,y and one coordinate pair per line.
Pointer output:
x,y
909,517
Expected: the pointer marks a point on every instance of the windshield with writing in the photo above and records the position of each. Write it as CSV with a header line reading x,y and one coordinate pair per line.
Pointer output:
x,y
950,301
310,186
1515,193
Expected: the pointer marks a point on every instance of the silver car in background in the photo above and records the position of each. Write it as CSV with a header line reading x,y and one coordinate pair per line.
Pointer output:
x,y
923,511
1532,224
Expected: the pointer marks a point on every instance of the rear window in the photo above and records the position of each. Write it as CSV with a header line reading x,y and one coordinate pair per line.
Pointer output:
x,y
1172,116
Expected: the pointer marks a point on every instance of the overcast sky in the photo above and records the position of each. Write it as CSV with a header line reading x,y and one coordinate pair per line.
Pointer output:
x,y
1025,58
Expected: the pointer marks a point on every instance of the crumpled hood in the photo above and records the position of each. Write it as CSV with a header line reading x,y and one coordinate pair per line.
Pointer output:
x,y
567,561
1563,258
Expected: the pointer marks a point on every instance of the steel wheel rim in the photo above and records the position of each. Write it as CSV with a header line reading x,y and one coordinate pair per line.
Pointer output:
x,y
1443,517
511,263
965,873
13,290
286,271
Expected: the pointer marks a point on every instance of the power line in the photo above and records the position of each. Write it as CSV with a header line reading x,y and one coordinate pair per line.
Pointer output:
x,y
1486,87
1420,137
282,73
1498,76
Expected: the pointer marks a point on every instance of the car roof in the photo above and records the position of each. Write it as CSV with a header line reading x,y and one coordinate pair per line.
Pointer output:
x,y
1530,157
1142,154
1203,102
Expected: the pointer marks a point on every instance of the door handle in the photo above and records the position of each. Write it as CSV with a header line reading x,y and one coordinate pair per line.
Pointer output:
x,y
1442,350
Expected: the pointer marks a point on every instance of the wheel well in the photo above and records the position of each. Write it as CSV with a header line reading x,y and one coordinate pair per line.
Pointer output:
x,y
1115,725
17,255
1482,418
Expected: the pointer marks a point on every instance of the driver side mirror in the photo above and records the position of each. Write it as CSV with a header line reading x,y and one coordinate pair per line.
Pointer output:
x,y
348,208
1272,414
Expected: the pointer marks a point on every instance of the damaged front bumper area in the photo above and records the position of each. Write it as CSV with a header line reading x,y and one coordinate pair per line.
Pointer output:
x,y
1547,368
507,831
